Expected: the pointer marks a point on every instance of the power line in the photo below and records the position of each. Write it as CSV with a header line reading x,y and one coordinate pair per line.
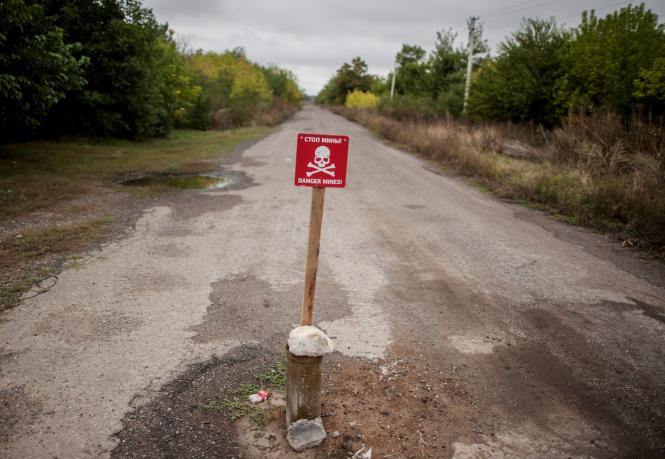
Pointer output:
x,y
519,9
596,9
503,8
558,18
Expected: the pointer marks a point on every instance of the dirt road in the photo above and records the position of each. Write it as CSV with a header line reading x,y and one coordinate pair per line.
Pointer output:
x,y
529,338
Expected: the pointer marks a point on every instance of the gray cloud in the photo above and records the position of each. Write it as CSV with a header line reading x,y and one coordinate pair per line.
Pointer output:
x,y
313,38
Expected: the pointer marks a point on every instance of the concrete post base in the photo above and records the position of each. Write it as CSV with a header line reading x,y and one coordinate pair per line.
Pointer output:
x,y
303,387
305,350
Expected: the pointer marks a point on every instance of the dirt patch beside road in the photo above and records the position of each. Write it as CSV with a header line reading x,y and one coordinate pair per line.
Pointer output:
x,y
403,407
399,407
176,424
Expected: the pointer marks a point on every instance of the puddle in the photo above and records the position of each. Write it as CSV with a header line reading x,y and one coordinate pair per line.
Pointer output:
x,y
179,182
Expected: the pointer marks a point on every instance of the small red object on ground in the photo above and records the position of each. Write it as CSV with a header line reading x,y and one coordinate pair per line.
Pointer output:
x,y
321,160
259,396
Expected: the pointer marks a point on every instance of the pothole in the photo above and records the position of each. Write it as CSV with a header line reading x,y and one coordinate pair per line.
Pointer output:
x,y
179,182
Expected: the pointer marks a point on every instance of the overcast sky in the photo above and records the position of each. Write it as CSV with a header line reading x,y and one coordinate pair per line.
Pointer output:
x,y
313,38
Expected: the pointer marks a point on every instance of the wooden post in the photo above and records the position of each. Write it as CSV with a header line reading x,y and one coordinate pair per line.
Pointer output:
x,y
312,263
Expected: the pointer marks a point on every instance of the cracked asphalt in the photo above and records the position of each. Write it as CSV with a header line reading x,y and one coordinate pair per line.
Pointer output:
x,y
557,333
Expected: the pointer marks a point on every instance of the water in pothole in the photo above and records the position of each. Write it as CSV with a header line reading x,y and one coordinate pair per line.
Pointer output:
x,y
180,182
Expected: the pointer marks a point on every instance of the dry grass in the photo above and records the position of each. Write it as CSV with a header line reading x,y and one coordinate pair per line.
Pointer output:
x,y
36,175
49,240
441,141
27,257
592,171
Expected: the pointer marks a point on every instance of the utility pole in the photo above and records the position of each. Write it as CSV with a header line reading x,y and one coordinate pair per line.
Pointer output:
x,y
392,86
469,64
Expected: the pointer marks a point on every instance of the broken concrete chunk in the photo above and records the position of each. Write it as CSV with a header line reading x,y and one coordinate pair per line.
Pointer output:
x,y
306,433
309,341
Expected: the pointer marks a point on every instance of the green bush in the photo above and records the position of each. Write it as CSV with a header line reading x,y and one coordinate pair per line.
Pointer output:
x,y
451,101
406,107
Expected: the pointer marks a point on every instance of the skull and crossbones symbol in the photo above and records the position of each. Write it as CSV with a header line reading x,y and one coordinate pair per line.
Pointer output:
x,y
321,162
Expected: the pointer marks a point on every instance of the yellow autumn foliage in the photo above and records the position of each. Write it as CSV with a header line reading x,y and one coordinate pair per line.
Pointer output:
x,y
360,99
237,91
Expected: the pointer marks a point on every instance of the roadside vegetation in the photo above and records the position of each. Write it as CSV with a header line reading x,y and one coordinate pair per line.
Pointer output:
x,y
92,93
80,68
238,406
37,175
569,120
60,198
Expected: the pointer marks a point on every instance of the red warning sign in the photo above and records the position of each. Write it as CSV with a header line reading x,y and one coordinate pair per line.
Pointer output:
x,y
321,160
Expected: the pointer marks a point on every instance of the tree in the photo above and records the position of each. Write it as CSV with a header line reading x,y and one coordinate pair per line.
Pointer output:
x,y
348,78
436,81
607,56
125,93
37,68
235,90
650,87
179,91
521,84
283,84
446,73
412,71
